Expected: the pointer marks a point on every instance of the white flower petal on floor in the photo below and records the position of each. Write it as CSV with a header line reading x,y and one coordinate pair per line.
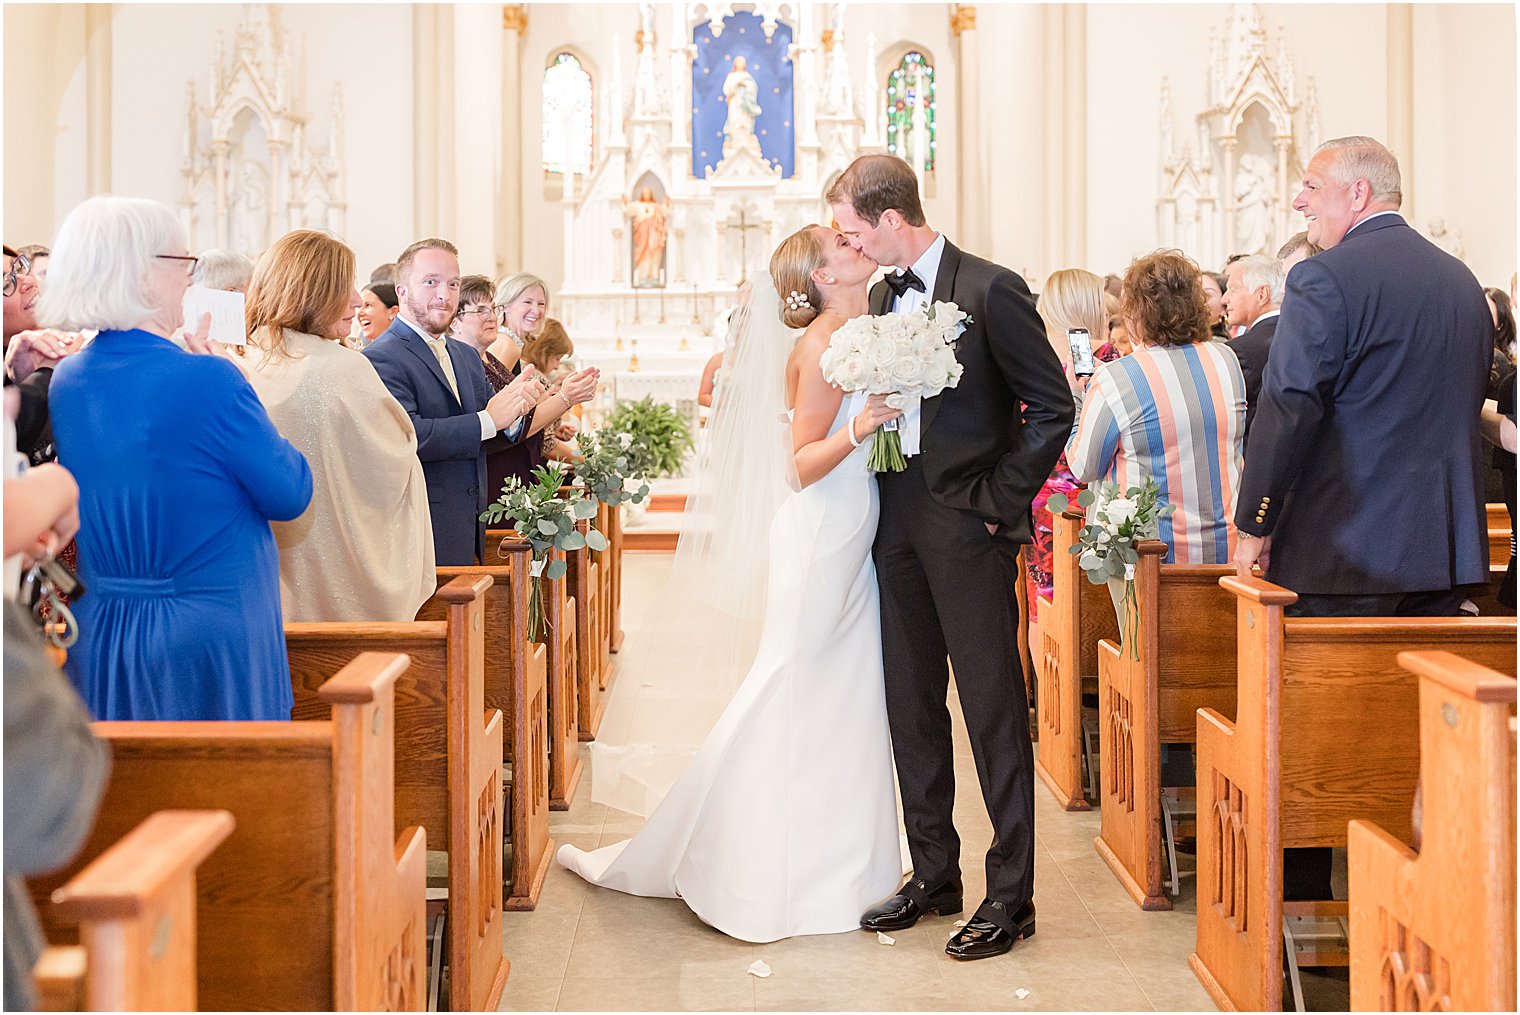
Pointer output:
x,y
884,939
759,968
1021,993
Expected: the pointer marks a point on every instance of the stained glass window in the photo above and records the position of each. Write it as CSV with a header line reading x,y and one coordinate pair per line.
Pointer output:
x,y
911,108
568,123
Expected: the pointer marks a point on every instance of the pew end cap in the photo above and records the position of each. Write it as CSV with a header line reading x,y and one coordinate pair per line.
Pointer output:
x,y
1463,676
120,882
465,588
1259,590
365,679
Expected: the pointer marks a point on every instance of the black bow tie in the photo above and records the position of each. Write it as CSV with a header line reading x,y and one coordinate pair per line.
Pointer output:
x,y
901,283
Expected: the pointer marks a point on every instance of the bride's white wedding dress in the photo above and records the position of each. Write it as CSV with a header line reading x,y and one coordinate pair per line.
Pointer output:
x,y
785,822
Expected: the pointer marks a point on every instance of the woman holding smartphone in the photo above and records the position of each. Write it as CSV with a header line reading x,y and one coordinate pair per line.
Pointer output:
x,y
1072,308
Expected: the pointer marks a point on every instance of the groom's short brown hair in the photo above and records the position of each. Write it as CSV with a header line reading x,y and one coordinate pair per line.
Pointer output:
x,y
874,183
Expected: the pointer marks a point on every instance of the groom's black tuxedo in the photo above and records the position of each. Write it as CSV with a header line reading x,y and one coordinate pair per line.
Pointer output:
x,y
947,585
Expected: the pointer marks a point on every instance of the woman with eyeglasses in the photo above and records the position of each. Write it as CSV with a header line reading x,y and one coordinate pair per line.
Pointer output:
x,y
363,549
180,474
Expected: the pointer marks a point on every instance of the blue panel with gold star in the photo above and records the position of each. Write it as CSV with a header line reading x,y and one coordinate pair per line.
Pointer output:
x,y
767,61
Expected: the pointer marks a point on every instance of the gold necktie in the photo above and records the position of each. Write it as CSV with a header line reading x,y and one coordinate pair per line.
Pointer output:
x,y
440,348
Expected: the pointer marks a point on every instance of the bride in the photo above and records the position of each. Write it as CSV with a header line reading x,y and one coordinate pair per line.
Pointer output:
x,y
785,821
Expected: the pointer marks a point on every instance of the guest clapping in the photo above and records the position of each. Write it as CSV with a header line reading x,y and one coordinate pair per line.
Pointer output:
x,y
363,548
1172,411
522,304
377,309
180,473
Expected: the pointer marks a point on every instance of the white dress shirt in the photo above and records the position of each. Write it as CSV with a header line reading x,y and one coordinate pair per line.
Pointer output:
x,y
927,269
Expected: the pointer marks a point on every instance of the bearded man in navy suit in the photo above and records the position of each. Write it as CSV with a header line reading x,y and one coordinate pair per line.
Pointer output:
x,y
442,385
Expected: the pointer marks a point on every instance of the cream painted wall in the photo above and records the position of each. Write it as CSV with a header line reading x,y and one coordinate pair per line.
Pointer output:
x,y
44,118
1464,122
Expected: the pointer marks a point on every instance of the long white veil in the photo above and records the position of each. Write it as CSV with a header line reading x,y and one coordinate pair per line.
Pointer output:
x,y
716,592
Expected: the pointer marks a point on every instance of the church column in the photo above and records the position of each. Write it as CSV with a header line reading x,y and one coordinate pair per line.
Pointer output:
x,y
1074,104
475,154
682,53
97,22
973,192
432,138
514,25
1065,136
809,86
1400,139
1228,145
1284,193
219,154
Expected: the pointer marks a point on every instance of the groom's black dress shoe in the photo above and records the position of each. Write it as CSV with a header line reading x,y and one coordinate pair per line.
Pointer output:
x,y
914,900
992,931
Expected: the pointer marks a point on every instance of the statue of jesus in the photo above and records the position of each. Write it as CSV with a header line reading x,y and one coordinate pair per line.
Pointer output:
x,y
742,92
649,217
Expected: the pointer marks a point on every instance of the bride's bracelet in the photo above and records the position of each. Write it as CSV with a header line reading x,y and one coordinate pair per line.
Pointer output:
x,y
854,441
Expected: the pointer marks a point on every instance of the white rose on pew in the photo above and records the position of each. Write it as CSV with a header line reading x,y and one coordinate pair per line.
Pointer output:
x,y
626,440
1119,510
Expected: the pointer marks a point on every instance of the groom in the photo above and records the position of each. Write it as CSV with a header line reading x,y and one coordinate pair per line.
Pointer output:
x,y
950,531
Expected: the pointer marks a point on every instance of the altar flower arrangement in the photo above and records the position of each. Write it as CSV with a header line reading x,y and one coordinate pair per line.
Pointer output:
x,y
547,521
1106,546
904,356
607,471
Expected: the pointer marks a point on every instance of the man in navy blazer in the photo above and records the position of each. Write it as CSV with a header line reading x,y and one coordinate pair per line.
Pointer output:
x,y
1363,486
442,385
1253,298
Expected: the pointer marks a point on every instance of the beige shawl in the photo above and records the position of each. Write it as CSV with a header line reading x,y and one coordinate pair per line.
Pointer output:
x,y
363,549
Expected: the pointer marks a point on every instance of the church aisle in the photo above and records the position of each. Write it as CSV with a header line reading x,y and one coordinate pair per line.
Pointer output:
x,y
586,948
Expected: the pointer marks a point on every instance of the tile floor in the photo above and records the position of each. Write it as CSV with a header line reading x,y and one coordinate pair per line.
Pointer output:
x,y
586,948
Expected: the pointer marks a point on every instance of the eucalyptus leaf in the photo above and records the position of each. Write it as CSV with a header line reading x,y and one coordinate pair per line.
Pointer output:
x,y
596,540
571,541
1085,498
555,570
584,509
1056,503
548,527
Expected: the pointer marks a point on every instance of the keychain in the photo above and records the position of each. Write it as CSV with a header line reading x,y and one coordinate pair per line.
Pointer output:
x,y
38,589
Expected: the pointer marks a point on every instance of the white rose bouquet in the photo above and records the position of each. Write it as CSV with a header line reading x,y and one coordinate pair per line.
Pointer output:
x,y
904,356
1106,546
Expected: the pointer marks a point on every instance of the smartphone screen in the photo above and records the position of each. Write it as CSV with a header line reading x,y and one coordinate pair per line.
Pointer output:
x,y
1081,351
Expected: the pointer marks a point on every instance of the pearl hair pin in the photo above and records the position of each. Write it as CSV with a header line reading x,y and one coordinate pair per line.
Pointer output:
x,y
797,299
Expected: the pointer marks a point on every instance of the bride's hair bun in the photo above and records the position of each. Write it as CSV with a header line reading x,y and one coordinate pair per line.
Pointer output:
x,y
792,267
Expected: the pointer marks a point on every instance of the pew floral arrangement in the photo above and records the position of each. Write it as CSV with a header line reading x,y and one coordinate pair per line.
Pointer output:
x,y
1106,545
904,356
607,471
547,521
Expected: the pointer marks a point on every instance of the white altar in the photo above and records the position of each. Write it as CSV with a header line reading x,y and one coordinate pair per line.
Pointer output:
x,y
648,316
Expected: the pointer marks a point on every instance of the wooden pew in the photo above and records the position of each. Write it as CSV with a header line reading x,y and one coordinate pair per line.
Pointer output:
x,y
313,902
559,646
448,763
611,561
1186,661
593,656
515,684
1325,720
614,534
1435,929
134,905
1499,531
1072,621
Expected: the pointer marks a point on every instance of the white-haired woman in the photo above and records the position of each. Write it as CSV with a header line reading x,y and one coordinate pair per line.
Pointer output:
x,y
180,473
223,269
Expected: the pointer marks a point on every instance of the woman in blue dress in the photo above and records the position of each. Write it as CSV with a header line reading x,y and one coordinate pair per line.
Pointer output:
x,y
180,473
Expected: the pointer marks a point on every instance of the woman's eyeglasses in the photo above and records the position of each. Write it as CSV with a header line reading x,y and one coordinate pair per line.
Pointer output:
x,y
190,262
19,266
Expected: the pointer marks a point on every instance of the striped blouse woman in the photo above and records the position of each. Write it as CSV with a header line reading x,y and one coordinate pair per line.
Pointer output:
x,y
1173,411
